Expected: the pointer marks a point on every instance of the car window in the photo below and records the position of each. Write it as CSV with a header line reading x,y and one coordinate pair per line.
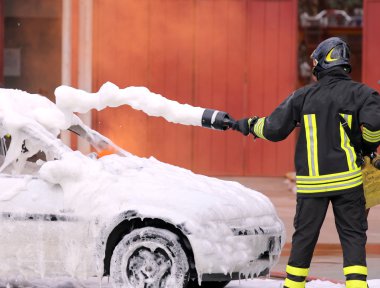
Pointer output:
x,y
4,144
21,165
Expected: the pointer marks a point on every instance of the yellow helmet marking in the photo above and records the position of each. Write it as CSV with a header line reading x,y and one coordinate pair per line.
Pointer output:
x,y
328,57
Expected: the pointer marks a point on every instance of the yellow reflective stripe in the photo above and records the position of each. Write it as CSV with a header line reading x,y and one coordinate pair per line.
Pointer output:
x,y
327,178
357,269
307,132
293,284
356,284
371,133
371,136
297,271
345,143
329,58
314,123
312,144
330,187
258,129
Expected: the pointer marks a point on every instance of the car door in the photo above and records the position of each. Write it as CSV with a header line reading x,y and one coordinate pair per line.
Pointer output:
x,y
40,237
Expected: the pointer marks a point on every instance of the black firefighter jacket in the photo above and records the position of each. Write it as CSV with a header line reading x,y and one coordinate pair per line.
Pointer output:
x,y
325,159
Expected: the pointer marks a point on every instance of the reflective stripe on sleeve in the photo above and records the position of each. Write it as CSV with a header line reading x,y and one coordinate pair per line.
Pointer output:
x,y
371,136
258,129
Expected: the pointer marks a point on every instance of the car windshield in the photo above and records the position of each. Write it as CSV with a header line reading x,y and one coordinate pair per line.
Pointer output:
x,y
97,140
40,146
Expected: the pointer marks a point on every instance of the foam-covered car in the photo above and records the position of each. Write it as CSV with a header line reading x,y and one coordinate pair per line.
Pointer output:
x,y
142,222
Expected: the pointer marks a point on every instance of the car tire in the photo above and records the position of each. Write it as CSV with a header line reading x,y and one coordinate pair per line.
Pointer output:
x,y
149,258
213,284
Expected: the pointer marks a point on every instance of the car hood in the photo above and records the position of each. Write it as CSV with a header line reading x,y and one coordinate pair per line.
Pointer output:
x,y
114,184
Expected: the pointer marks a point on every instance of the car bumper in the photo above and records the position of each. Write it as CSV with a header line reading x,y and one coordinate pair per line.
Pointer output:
x,y
220,277
237,256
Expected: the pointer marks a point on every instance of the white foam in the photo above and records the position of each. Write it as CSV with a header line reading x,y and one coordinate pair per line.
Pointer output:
x,y
139,98
101,188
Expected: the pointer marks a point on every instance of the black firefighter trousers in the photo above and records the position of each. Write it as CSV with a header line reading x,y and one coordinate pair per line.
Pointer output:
x,y
351,224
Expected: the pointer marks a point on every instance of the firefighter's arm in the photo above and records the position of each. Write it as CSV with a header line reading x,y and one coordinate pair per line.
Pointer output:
x,y
278,125
369,116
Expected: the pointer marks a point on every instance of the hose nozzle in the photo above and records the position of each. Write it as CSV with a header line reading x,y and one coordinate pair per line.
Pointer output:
x,y
218,120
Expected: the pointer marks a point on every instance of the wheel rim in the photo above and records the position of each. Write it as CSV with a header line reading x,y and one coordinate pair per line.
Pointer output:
x,y
148,269
149,258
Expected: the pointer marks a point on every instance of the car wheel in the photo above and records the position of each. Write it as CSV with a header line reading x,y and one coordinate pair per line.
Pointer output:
x,y
149,258
213,284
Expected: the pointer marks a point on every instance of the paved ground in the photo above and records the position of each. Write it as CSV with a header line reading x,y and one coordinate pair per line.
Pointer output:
x,y
327,260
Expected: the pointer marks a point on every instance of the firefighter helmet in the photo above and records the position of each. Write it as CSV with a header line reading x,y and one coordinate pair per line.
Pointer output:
x,y
331,52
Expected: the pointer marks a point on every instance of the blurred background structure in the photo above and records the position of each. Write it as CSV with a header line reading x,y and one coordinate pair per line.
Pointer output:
x,y
240,56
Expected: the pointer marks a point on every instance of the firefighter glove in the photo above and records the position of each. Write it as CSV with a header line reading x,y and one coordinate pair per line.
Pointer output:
x,y
369,150
244,125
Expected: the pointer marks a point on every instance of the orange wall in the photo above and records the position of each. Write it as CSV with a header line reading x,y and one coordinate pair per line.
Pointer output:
x,y
371,44
272,76
238,56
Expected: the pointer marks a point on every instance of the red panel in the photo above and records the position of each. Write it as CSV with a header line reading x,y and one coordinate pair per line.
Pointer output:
x,y
255,97
271,78
184,70
147,43
203,77
371,44
236,71
287,77
271,55
219,82
236,56
121,45
157,74
218,43
170,74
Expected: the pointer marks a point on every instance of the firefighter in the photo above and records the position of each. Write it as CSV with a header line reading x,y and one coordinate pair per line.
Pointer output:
x,y
339,123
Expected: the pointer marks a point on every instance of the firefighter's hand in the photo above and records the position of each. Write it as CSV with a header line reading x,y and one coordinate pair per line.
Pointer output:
x,y
242,126
369,149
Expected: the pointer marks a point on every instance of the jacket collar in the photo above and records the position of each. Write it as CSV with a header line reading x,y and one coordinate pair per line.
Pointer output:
x,y
337,72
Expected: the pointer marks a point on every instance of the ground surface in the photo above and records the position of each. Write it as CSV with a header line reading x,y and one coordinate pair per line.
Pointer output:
x,y
93,283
